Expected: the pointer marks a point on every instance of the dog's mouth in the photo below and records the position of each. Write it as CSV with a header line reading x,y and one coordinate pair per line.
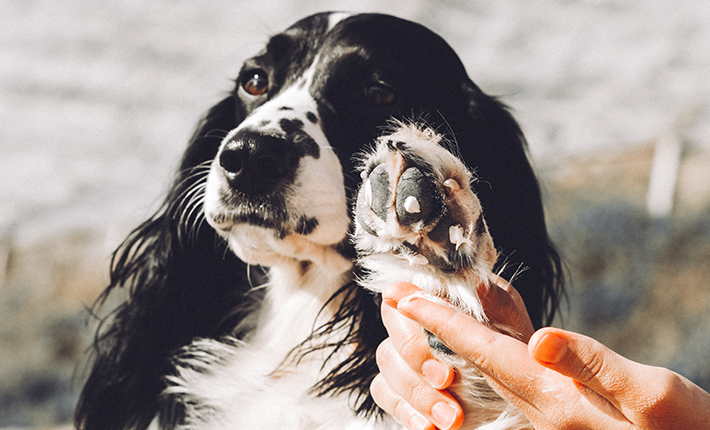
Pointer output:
x,y
252,182
269,212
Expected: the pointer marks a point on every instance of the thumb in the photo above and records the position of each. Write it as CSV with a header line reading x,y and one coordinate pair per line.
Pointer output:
x,y
585,360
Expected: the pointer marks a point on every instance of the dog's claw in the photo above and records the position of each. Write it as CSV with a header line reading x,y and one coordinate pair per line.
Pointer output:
x,y
457,236
451,185
411,205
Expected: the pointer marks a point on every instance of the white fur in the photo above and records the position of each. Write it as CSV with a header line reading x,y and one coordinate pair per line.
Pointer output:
x,y
248,385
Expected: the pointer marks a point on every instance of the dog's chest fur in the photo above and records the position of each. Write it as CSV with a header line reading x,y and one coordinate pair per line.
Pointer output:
x,y
263,382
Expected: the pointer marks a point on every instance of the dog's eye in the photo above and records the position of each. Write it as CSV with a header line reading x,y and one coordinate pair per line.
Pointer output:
x,y
255,82
379,95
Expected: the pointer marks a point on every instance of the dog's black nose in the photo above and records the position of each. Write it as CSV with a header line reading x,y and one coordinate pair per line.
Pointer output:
x,y
256,164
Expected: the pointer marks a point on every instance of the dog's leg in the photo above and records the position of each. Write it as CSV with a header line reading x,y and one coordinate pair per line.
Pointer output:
x,y
418,220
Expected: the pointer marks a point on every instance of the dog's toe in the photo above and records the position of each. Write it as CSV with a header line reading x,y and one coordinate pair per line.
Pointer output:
x,y
417,198
377,191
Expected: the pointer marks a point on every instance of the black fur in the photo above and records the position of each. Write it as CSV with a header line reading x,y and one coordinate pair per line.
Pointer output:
x,y
185,284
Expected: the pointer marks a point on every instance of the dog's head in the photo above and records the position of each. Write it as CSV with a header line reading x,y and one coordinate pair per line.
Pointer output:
x,y
308,102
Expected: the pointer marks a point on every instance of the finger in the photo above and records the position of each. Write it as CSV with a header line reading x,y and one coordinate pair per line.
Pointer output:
x,y
462,333
504,306
591,364
404,391
498,356
648,396
409,340
547,398
396,406
393,293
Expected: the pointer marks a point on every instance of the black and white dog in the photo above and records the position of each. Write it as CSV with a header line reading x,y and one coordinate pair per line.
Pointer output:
x,y
254,319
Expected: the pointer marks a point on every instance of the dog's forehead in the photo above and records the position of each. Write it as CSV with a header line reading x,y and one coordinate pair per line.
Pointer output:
x,y
384,40
292,51
385,31
343,29
373,38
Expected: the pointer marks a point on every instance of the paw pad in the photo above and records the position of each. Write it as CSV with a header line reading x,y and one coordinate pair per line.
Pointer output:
x,y
378,192
416,205
417,198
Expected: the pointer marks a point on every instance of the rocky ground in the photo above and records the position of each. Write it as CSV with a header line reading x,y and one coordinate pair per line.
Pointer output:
x,y
97,100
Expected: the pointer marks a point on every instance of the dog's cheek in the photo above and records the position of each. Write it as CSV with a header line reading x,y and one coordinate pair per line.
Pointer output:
x,y
319,193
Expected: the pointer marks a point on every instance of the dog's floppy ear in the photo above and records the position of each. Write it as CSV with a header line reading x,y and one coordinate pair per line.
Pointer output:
x,y
491,141
182,284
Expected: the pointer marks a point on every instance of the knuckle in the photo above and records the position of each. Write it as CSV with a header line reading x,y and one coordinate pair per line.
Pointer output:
x,y
383,353
381,393
414,345
419,390
479,356
378,388
387,399
403,412
594,364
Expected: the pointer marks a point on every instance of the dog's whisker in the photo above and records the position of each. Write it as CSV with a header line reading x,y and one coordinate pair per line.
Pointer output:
x,y
195,215
214,133
190,209
198,225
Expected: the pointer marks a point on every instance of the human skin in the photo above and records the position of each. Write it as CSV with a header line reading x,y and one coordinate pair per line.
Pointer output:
x,y
558,379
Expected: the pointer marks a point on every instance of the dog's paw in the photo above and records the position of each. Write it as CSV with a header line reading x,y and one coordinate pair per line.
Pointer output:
x,y
418,220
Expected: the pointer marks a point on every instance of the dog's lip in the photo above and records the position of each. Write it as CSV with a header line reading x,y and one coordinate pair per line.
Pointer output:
x,y
226,221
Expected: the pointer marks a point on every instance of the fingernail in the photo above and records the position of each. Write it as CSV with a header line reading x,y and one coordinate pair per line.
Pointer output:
x,y
418,422
550,349
404,301
390,302
436,373
444,414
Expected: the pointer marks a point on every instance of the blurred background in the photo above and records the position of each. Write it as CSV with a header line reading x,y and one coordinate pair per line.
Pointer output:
x,y
98,99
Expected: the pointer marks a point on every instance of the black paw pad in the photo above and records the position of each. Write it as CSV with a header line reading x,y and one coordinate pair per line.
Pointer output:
x,y
379,191
417,198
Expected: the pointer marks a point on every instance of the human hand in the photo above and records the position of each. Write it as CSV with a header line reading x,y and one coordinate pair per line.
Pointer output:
x,y
423,390
561,380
